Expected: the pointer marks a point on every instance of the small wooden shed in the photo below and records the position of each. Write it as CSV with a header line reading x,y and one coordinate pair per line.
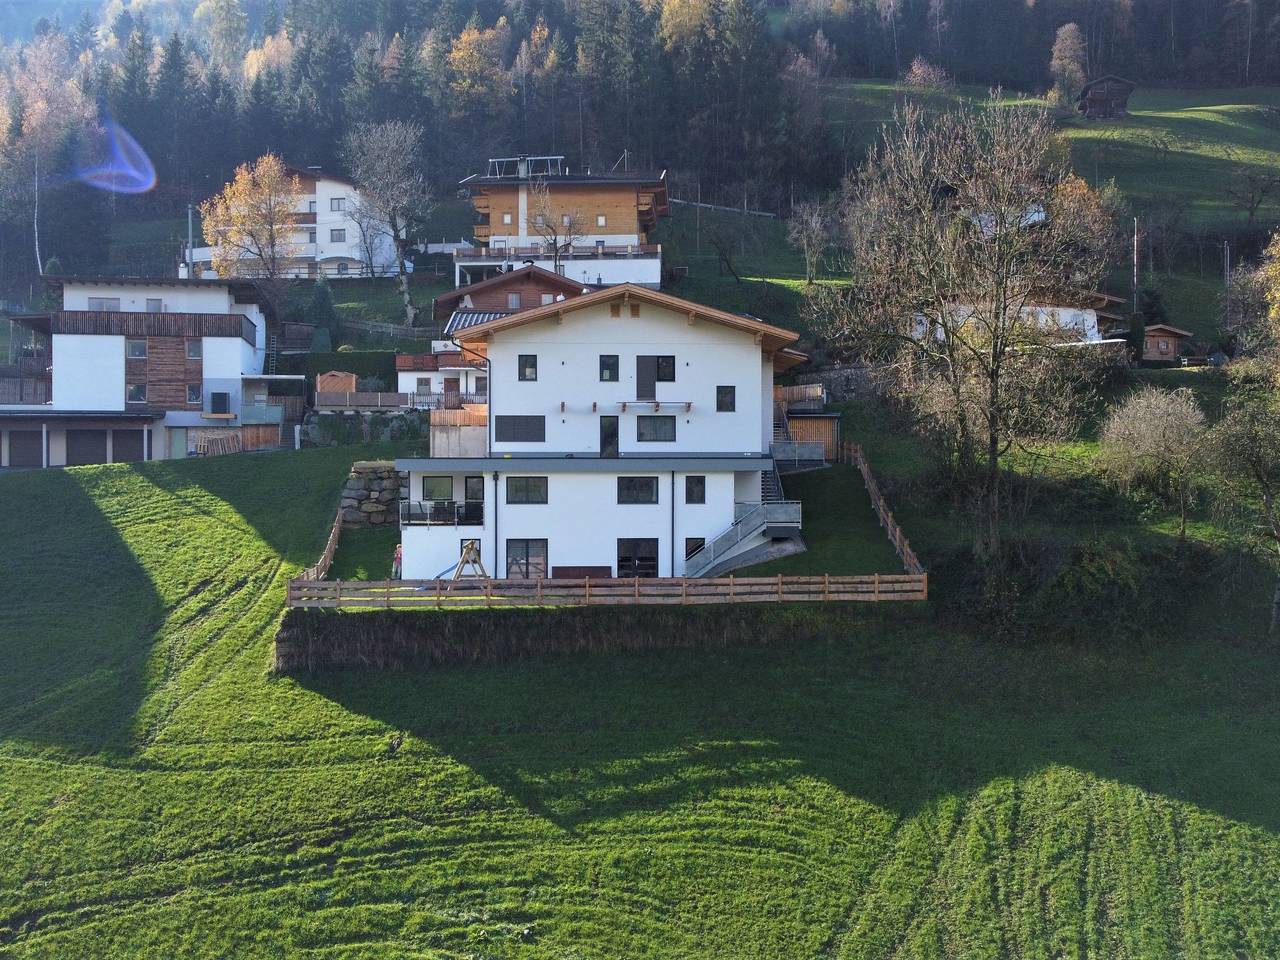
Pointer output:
x,y
1106,98
336,381
1163,342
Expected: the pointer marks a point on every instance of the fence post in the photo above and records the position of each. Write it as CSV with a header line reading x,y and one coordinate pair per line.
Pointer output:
x,y
438,597
826,586
684,589
876,595
637,585
539,591
488,593
386,599
731,586
338,592
586,591
779,588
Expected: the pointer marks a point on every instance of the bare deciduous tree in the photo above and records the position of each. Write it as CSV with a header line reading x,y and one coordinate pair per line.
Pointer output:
x,y
956,228
560,227
1158,438
372,233
386,165
1249,185
1245,450
809,229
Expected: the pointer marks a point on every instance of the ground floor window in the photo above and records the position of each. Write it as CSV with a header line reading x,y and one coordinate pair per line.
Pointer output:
x,y
692,545
637,557
526,559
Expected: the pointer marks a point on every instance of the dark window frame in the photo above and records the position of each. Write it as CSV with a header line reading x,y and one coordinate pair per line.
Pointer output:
x,y
529,495
650,491
128,391
522,367
609,363
524,557
512,428
726,398
198,344
437,476
666,368
691,481
195,393
651,420
692,545
130,343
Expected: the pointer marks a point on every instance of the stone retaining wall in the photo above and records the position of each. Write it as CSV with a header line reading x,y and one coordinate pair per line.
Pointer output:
x,y
371,496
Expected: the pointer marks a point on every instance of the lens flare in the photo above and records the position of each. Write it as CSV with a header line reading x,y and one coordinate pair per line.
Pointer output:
x,y
127,168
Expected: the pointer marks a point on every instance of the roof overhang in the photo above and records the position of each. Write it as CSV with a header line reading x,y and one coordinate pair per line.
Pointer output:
x,y
771,338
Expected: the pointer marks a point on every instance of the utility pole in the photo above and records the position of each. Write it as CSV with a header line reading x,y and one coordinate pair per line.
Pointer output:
x,y
1135,264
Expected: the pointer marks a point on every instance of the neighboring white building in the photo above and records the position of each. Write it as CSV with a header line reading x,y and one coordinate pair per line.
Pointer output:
x,y
629,433
613,214
137,369
326,239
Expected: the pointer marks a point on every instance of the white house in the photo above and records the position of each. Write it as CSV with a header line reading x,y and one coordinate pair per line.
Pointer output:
x,y
137,369
629,433
327,239
526,206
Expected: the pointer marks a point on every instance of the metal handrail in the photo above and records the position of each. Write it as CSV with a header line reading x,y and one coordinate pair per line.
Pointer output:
x,y
747,522
442,513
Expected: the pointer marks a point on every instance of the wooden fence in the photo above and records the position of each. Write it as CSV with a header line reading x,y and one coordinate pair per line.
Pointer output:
x,y
317,573
397,330
310,591
466,417
851,453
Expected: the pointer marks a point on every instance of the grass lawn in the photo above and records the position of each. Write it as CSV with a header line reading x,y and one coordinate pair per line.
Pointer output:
x,y
365,554
897,790
841,530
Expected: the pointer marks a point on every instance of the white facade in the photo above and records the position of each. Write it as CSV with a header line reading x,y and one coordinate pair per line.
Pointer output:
x,y
326,240
642,269
626,430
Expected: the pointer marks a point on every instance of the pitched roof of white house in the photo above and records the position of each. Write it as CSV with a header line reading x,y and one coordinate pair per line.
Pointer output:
x,y
771,338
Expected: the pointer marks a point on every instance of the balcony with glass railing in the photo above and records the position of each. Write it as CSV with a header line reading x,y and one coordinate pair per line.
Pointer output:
x,y
442,513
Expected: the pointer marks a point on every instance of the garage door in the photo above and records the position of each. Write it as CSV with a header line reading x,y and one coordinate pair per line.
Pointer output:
x,y
126,446
24,449
86,446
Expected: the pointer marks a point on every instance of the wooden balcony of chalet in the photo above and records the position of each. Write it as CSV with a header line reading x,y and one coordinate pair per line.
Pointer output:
x,y
576,252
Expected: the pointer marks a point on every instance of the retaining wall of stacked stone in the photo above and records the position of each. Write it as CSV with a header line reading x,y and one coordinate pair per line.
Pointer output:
x,y
371,496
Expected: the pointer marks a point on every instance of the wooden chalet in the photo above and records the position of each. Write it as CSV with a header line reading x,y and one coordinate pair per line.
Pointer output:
x,y
507,292
1106,98
1163,342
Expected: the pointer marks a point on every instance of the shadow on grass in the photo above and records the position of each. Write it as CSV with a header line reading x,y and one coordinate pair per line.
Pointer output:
x,y
894,715
77,620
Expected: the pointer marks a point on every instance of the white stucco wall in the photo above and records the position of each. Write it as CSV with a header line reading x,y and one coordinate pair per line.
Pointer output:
x,y
88,372
645,271
407,380
431,550
706,355
133,299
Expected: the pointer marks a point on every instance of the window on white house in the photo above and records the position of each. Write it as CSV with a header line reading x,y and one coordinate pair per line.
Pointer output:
x,y
692,545
482,386
135,349
424,385
437,488
343,268
105,304
600,220
195,393
726,399
135,392
608,368
311,206
337,236
520,429
311,236
195,349
528,366
526,559
337,204
637,489
155,305
695,489
655,429
513,301
526,489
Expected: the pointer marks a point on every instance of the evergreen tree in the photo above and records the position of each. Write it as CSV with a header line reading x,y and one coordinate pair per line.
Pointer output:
x,y
320,309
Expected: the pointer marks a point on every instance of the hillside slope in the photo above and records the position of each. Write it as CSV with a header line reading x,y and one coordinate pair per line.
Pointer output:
x,y
892,792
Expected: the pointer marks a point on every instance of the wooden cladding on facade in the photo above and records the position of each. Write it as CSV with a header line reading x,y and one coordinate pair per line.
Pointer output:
x,y
166,371
618,203
114,323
